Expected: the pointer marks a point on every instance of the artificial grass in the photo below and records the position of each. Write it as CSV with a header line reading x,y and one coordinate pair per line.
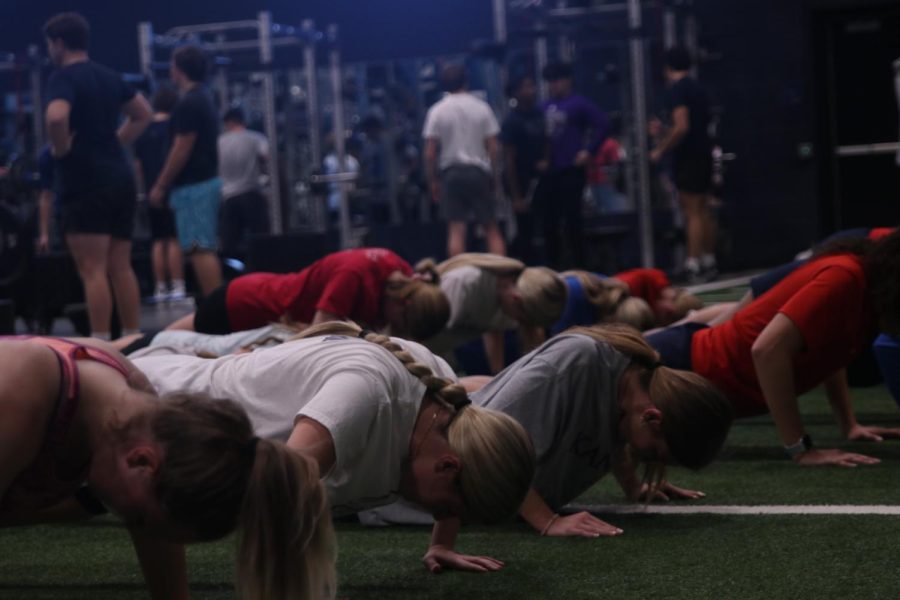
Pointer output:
x,y
677,557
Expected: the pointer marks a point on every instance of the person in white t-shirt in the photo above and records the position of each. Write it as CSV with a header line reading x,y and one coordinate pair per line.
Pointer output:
x,y
385,420
595,400
462,160
490,294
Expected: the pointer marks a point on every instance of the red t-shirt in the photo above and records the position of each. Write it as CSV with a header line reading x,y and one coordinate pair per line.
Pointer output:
x,y
827,299
645,283
349,284
880,232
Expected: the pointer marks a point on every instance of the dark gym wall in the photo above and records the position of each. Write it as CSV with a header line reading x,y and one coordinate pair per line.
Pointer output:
x,y
767,83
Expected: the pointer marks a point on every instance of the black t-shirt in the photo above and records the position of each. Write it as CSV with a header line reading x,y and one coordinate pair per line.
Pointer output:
x,y
525,130
696,143
152,149
195,113
95,95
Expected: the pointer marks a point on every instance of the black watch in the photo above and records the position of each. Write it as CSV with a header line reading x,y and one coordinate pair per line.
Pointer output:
x,y
802,445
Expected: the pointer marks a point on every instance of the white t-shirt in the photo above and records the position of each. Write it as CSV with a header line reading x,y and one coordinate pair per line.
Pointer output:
x,y
474,308
357,390
461,123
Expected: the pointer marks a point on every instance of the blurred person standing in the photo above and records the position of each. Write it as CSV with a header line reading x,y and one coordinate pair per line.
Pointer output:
x,y
576,128
150,152
462,156
243,157
525,157
689,143
191,170
97,188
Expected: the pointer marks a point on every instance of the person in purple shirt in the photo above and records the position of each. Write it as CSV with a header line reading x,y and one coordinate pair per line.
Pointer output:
x,y
576,128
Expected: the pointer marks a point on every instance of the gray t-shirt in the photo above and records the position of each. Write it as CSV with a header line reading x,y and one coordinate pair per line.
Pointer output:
x,y
566,395
240,153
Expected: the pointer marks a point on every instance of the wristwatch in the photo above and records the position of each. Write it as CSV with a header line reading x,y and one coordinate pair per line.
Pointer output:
x,y
802,445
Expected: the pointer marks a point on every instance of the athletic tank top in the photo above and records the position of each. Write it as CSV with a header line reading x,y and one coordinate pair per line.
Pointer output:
x,y
52,476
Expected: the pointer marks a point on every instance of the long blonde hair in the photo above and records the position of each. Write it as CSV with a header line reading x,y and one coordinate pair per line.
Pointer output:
x,y
612,301
498,460
542,290
427,309
696,416
216,476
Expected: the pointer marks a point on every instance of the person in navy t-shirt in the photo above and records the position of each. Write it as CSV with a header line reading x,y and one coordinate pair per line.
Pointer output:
x,y
97,192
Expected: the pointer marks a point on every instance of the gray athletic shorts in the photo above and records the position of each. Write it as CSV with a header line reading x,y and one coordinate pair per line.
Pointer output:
x,y
467,194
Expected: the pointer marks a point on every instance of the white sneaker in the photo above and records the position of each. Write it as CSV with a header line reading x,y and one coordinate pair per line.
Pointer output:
x,y
176,294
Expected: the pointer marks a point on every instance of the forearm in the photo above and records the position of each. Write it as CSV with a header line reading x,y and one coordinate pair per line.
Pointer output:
x,y
774,370
130,130
672,138
59,136
536,512
66,511
444,532
838,394
175,162
45,209
494,349
164,566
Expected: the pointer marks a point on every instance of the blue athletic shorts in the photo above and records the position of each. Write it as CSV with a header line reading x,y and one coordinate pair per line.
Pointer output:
x,y
196,208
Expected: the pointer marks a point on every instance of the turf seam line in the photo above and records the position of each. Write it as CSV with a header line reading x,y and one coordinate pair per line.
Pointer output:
x,y
725,509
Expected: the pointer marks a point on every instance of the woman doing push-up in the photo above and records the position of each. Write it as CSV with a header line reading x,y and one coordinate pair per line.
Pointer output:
x,y
384,421
81,430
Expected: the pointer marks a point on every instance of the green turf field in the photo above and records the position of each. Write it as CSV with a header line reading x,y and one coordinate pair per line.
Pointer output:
x,y
659,556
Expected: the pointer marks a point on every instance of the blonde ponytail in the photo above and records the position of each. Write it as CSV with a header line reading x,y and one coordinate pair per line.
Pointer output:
x,y
427,309
613,302
499,265
543,294
216,476
497,456
287,547
696,415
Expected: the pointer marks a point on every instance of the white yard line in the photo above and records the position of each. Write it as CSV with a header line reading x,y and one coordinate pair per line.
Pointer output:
x,y
716,509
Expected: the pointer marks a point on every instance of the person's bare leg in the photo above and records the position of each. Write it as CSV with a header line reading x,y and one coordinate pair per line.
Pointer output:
x,y
175,260
710,226
495,242
185,323
693,207
158,258
207,270
89,252
456,237
124,284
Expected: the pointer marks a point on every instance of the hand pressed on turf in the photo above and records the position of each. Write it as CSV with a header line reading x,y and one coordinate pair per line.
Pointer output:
x,y
833,457
582,524
864,433
667,491
439,557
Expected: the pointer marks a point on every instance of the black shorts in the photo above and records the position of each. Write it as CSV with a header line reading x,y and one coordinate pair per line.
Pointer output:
x,y
162,223
107,210
212,313
693,173
467,194
674,344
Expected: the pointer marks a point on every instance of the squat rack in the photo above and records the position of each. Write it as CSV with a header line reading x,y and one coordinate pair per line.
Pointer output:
x,y
32,62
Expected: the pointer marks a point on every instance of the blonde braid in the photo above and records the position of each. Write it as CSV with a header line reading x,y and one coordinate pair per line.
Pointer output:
x,y
452,394
494,448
